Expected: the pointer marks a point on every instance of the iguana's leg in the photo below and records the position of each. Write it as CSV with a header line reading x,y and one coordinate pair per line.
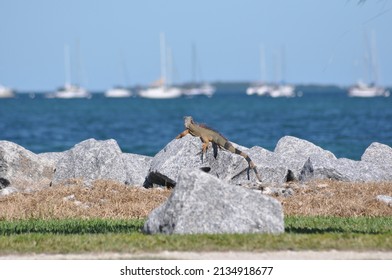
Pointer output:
x,y
182,134
204,146
215,149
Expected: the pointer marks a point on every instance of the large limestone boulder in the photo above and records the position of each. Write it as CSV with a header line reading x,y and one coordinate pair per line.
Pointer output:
x,y
136,167
91,160
270,166
377,160
23,170
298,153
202,203
185,153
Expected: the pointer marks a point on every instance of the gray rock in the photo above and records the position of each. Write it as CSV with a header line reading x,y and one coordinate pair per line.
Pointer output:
x,y
202,203
385,199
270,166
185,153
377,161
54,157
22,169
320,167
375,165
342,169
136,168
296,154
91,160
378,154
308,161
8,191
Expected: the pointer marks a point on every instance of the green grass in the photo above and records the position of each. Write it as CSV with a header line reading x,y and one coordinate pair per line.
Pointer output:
x,y
100,235
70,226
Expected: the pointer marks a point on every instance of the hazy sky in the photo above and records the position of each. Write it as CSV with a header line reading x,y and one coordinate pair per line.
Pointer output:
x,y
322,41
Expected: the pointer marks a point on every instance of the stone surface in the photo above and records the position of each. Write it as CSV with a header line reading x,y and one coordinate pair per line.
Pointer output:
x,y
201,203
296,152
185,153
293,159
54,157
23,170
385,199
270,166
378,158
91,160
136,168
378,154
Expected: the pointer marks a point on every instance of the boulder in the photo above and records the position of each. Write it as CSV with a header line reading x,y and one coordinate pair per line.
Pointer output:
x,y
136,167
320,167
23,170
270,166
202,203
91,160
385,199
185,153
377,161
54,157
300,155
378,154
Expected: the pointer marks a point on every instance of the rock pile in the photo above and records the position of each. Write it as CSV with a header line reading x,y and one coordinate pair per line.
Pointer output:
x,y
22,170
292,160
200,202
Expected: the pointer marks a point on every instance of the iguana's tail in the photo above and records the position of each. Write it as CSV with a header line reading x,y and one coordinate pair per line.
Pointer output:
x,y
231,148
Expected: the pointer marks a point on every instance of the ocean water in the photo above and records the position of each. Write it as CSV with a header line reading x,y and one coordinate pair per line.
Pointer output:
x,y
345,126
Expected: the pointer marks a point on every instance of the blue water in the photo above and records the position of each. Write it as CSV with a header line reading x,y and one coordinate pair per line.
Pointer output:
x,y
345,126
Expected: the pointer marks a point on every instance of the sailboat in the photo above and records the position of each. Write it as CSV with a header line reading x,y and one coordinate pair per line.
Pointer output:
x,y
281,89
120,91
69,90
260,88
161,89
6,92
195,88
362,89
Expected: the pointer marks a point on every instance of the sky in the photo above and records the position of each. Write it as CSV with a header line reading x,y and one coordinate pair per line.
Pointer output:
x,y
117,42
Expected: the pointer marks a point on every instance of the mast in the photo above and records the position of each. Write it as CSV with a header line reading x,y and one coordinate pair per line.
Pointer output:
x,y
373,57
163,58
169,74
67,66
262,64
194,59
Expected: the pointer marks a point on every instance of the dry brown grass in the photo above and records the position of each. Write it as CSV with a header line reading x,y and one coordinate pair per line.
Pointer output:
x,y
104,199
112,200
342,199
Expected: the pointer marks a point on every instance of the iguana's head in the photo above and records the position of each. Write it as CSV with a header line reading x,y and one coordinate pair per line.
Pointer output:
x,y
188,121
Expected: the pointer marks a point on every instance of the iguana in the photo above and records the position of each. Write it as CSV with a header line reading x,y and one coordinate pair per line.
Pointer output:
x,y
209,135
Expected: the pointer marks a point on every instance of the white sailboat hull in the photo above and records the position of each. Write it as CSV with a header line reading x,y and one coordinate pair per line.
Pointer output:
x,y
69,92
206,90
6,92
259,90
282,91
118,93
367,91
160,93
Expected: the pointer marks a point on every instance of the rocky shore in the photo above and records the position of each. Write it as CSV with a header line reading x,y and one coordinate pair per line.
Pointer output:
x,y
204,188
